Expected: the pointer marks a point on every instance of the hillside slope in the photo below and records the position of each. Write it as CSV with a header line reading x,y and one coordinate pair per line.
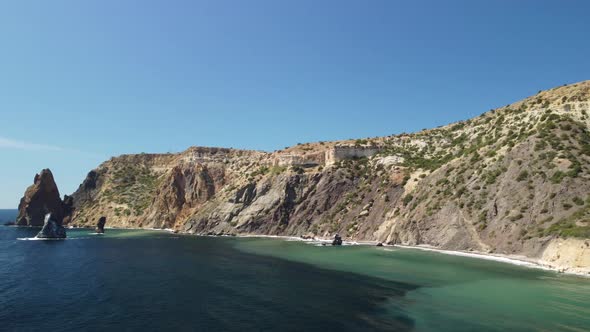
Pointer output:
x,y
511,181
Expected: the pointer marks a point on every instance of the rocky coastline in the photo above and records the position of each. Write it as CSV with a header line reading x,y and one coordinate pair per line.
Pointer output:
x,y
512,182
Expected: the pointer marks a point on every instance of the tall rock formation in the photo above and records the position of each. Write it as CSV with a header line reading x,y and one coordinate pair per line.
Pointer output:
x,y
100,224
40,198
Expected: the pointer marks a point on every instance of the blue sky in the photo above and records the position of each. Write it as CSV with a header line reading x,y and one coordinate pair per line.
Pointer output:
x,y
81,81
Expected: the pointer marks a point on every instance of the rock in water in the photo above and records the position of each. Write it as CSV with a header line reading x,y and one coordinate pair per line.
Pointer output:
x,y
100,224
337,240
40,198
52,228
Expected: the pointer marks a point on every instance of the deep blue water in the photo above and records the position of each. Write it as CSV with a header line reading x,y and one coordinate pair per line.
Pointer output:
x,y
157,281
135,280
7,215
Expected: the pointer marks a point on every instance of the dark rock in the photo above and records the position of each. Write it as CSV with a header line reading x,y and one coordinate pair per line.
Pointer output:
x,y
9,223
88,190
40,198
100,224
246,194
52,228
68,208
337,240
379,244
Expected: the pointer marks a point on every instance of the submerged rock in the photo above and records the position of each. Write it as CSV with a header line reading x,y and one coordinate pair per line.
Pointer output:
x,y
337,240
100,224
52,228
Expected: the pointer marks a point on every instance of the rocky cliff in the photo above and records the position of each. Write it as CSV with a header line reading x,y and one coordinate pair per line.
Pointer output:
x,y
511,181
40,198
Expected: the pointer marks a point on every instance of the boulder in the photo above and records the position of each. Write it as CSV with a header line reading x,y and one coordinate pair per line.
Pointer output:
x,y
337,240
379,244
52,228
100,224
40,198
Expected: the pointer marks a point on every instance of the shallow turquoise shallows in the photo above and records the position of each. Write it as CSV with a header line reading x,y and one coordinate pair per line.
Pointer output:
x,y
149,280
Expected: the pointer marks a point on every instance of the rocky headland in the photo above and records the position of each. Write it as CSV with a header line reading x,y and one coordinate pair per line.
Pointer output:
x,y
512,181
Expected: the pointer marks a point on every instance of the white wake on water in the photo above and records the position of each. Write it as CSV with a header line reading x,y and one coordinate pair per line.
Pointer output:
x,y
37,239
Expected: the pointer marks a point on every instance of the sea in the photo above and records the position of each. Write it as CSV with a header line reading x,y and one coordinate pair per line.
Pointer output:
x,y
7,215
143,280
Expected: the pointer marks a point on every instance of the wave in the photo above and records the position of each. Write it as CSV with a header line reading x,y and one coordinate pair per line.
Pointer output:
x,y
490,257
38,239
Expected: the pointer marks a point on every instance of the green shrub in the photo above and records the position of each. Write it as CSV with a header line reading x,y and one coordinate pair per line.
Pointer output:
x,y
522,176
407,199
557,177
406,179
297,169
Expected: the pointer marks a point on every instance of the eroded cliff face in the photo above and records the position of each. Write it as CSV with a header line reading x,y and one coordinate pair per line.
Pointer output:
x,y
511,181
40,198
236,192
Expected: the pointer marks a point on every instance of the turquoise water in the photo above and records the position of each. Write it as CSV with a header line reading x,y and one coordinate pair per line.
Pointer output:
x,y
455,293
147,280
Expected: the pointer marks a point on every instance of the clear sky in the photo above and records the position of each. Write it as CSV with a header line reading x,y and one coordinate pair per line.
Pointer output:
x,y
81,81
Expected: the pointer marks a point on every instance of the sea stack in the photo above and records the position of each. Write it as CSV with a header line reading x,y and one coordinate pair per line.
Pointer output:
x,y
52,228
337,240
40,198
100,224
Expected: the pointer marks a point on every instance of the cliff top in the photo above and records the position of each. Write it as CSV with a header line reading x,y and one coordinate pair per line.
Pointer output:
x,y
557,98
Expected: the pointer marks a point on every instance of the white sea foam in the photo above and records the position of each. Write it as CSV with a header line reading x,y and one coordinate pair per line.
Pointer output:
x,y
37,239
497,258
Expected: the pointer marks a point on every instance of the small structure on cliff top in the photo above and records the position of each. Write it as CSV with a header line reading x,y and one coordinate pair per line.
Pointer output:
x,y
344,152
52,228
326,157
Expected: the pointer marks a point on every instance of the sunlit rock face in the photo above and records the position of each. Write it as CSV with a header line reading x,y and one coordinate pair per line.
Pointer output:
x,y
40,198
